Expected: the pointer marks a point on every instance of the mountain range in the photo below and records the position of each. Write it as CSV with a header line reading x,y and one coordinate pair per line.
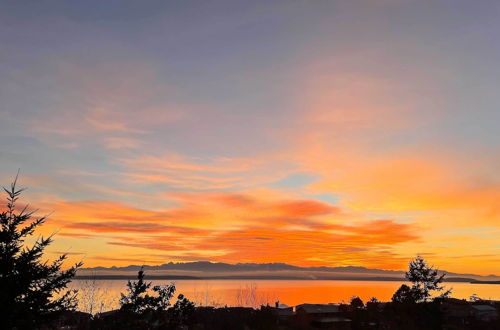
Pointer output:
x,y
220,270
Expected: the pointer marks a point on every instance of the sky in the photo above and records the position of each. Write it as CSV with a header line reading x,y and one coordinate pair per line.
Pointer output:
x,y
308,132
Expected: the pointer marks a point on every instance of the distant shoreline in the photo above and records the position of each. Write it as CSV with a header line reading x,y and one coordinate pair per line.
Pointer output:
x,y
485,282
277,278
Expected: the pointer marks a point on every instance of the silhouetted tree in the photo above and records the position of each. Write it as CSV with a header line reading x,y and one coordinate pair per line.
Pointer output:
x,y
356,302
153,310
424,278
138,299
405,294
182,310
31,289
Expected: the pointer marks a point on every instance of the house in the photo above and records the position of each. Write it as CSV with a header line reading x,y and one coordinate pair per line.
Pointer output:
x,y
460,312
318,309
321,316
485,313
456,313
282,311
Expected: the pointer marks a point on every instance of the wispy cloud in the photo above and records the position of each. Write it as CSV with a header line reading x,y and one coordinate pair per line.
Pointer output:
x,y
197,173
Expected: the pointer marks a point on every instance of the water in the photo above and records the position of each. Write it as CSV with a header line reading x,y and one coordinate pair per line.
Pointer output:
x,y
102,295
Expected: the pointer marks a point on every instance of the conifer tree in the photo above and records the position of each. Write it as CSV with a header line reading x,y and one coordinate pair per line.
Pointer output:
x,y
138,299
32,289
150,308
425,279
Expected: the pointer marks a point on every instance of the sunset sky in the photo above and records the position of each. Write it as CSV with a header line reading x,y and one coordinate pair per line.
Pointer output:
x,y
308,132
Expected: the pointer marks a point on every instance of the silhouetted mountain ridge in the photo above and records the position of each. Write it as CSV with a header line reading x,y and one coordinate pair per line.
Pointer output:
x,y
207,268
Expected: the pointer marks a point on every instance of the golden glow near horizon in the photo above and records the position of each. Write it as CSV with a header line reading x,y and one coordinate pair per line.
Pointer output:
x,y
321,134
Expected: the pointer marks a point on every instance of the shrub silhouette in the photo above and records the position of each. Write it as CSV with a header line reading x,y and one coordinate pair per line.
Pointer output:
x,y
31,289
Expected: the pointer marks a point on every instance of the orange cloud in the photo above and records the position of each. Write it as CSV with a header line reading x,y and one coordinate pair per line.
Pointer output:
x,y
135,228
236,227
344,245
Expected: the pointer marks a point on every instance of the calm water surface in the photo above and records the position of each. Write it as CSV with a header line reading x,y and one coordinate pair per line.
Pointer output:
x,y
104,294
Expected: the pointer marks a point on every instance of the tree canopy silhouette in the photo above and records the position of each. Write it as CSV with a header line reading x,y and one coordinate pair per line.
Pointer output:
x,y
138,299
31,289
356,302
424,278
154,308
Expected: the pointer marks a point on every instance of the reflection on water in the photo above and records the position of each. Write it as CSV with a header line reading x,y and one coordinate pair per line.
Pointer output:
x,y
101,295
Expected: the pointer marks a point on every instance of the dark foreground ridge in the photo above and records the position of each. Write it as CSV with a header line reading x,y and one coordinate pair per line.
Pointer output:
x,y
445,313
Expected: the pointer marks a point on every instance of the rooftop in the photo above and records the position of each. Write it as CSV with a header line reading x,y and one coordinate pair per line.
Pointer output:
x,y
318,308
